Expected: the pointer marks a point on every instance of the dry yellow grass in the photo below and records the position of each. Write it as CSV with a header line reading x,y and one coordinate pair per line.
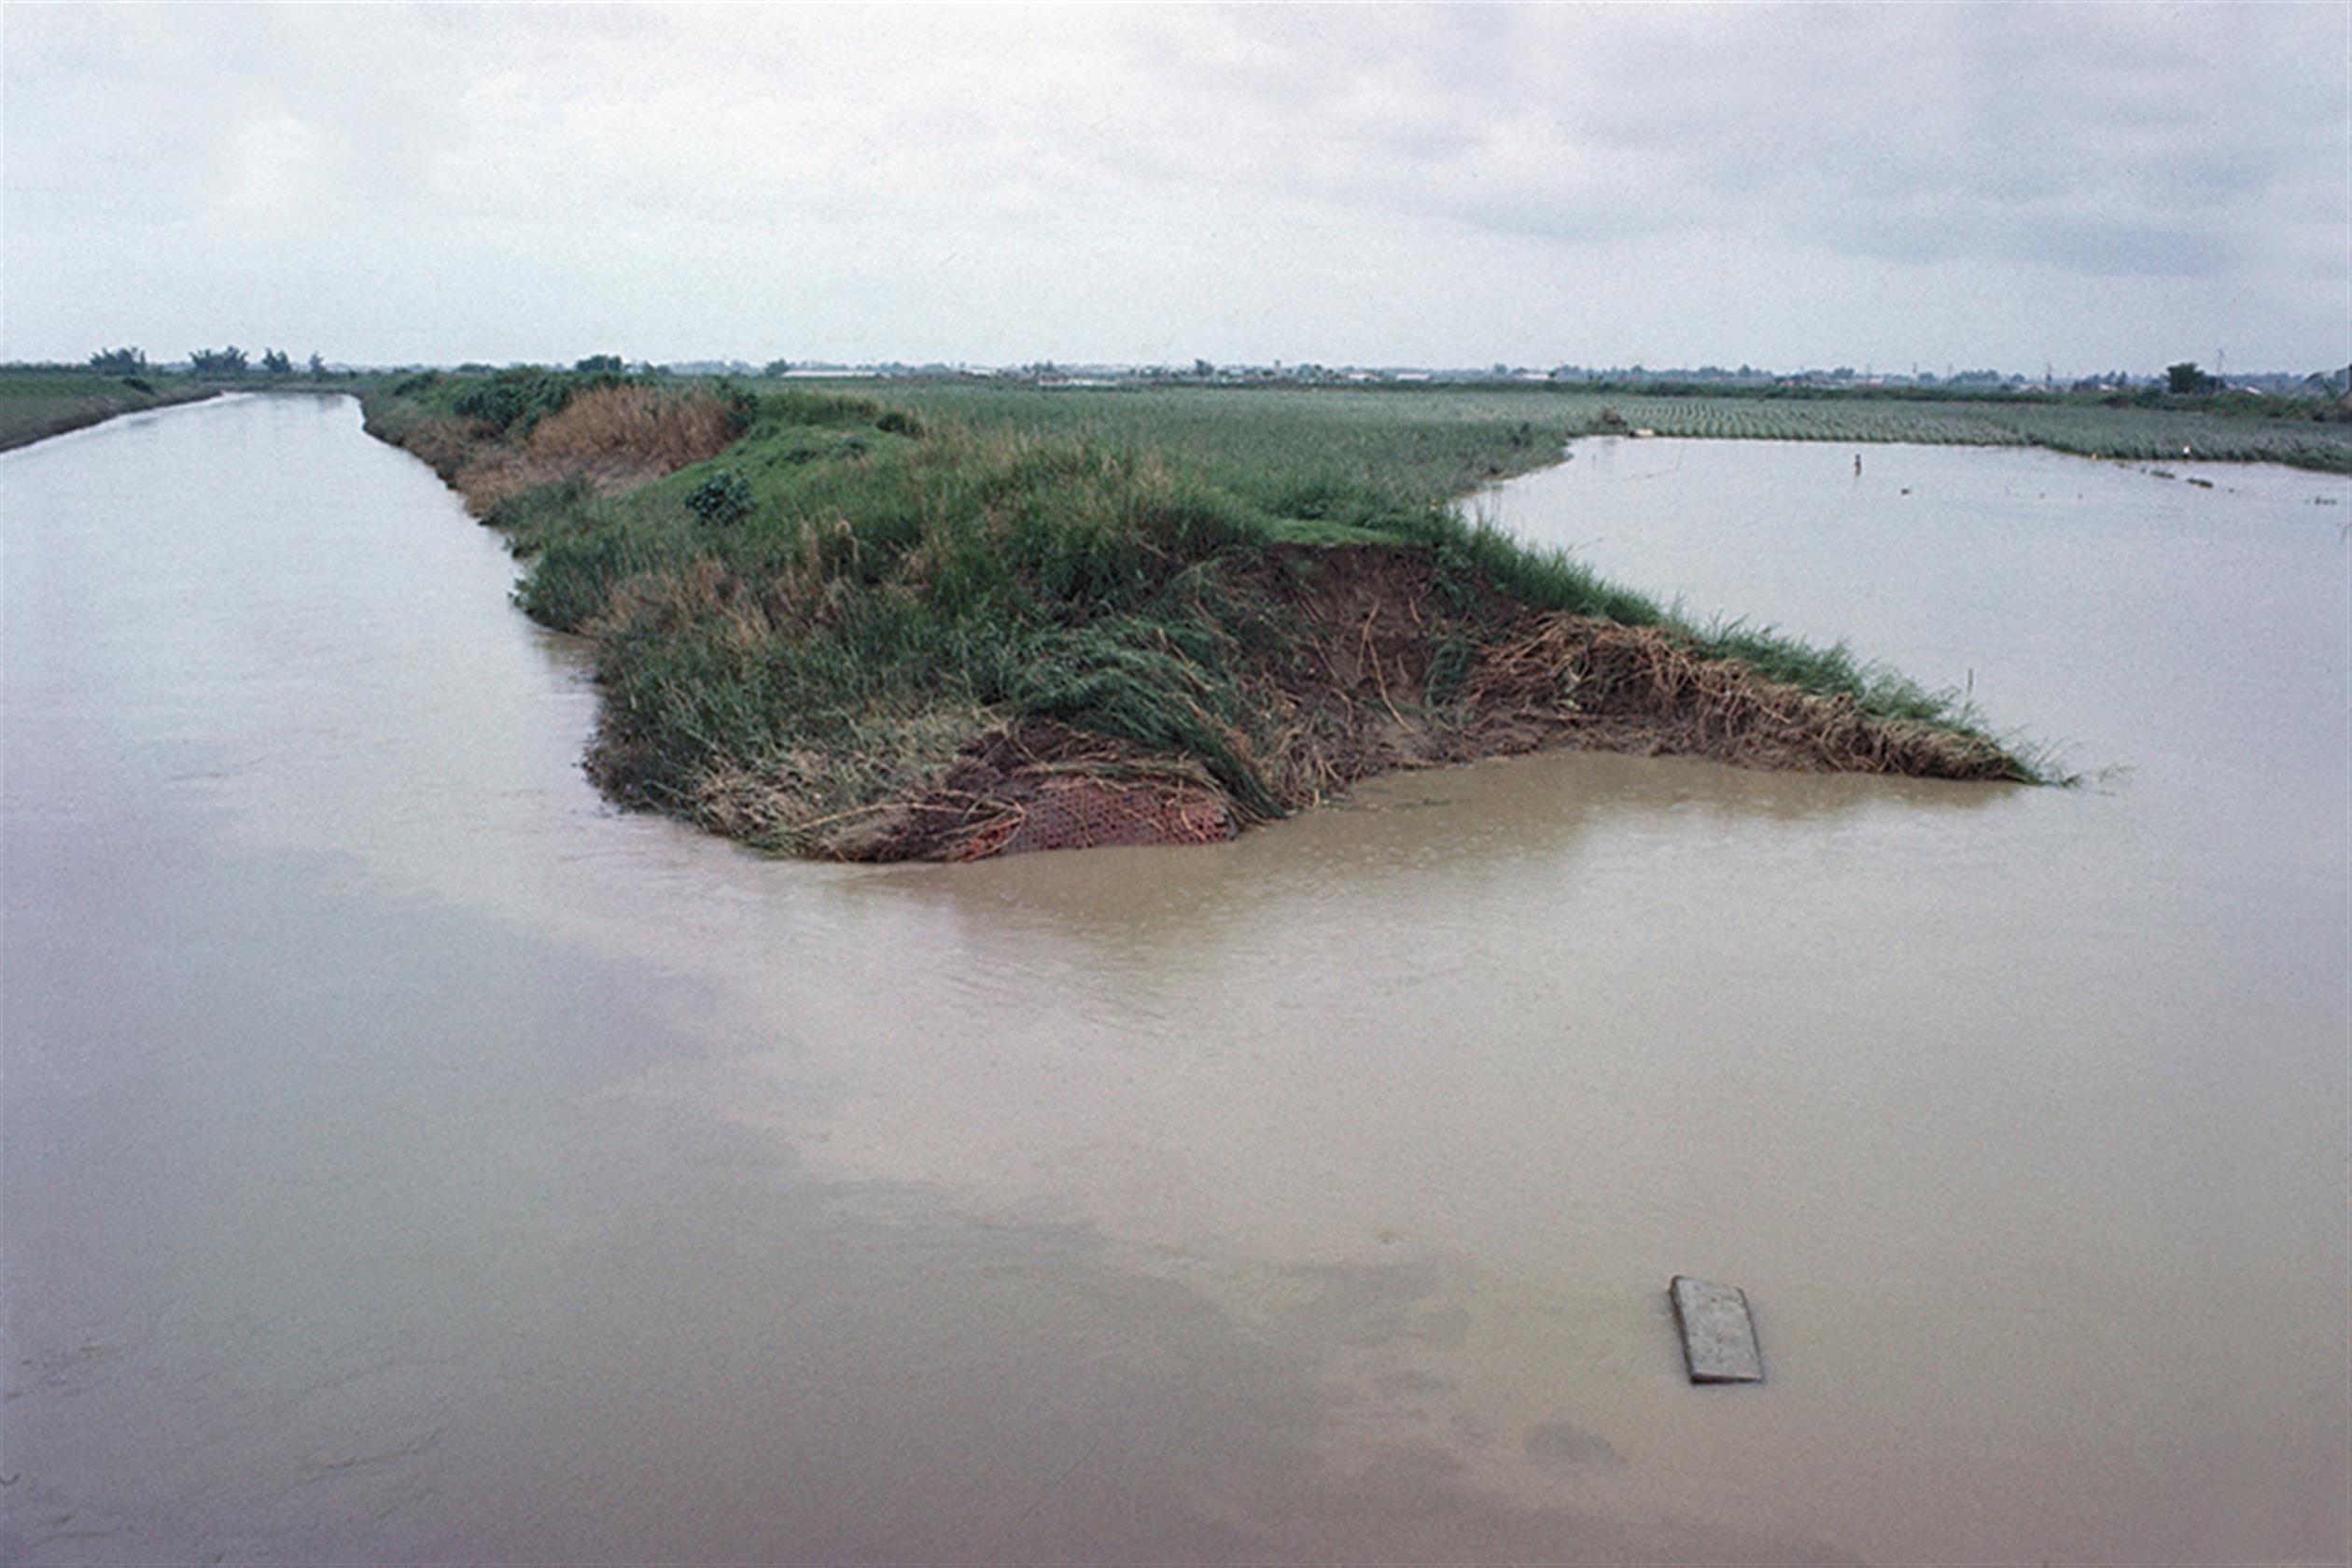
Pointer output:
x,y
617,438
642,424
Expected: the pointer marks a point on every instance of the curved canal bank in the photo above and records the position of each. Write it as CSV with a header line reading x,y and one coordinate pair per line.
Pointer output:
x,y
37,405
405,1156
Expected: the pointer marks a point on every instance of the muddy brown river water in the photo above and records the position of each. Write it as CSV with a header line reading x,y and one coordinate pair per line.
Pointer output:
x,y
409,1158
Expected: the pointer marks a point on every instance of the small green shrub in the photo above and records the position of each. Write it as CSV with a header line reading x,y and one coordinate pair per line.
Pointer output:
x,y
721,500
514,401
498,403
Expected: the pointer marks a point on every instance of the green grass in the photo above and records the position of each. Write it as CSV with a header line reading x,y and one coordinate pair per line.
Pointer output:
x,y
883,585
1309,454
40,402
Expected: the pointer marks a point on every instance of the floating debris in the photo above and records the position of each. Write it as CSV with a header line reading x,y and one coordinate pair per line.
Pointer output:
x,y
1718,1332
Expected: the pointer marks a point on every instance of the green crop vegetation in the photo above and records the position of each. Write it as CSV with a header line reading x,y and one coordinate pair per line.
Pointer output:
x,y
1437,442
2078,428
1293,451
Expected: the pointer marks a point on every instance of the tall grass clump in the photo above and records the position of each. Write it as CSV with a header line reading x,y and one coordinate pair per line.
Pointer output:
x,y
657,427
986,575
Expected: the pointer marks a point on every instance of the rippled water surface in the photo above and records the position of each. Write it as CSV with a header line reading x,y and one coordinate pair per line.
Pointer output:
x,y
406,1157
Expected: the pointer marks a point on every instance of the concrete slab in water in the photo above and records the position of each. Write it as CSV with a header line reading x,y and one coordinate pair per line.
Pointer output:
x,y
1718,1333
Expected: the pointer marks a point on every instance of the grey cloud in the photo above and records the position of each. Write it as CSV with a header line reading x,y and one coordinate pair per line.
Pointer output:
x,y
1213,154
2102,139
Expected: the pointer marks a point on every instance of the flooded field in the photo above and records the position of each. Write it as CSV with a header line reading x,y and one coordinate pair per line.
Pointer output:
x,y
407,1157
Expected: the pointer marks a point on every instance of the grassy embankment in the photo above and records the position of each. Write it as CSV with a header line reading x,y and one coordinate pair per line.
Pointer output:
x,y
40,402
828,626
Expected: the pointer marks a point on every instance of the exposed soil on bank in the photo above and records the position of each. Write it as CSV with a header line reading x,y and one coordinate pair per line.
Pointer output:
x,y
1354,700
1382,657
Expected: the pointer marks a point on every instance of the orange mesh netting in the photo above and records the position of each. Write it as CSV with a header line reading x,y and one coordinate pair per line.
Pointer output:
x,y
1077,812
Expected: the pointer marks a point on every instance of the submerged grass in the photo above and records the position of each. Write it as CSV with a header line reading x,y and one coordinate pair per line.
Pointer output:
x,y
882,583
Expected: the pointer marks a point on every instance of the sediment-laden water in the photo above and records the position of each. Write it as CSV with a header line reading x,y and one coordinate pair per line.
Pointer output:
x,y
406,1157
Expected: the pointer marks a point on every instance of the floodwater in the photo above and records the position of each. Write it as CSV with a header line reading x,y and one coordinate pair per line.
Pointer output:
x,y
408,1158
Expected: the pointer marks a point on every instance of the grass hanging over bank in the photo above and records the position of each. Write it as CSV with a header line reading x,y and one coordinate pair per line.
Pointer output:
x,y
830,626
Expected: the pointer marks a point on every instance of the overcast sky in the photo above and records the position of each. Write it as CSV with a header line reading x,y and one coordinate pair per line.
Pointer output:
x,y
2087,187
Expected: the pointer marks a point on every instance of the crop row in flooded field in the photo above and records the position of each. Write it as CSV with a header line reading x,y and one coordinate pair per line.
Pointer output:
x,y
2084,431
